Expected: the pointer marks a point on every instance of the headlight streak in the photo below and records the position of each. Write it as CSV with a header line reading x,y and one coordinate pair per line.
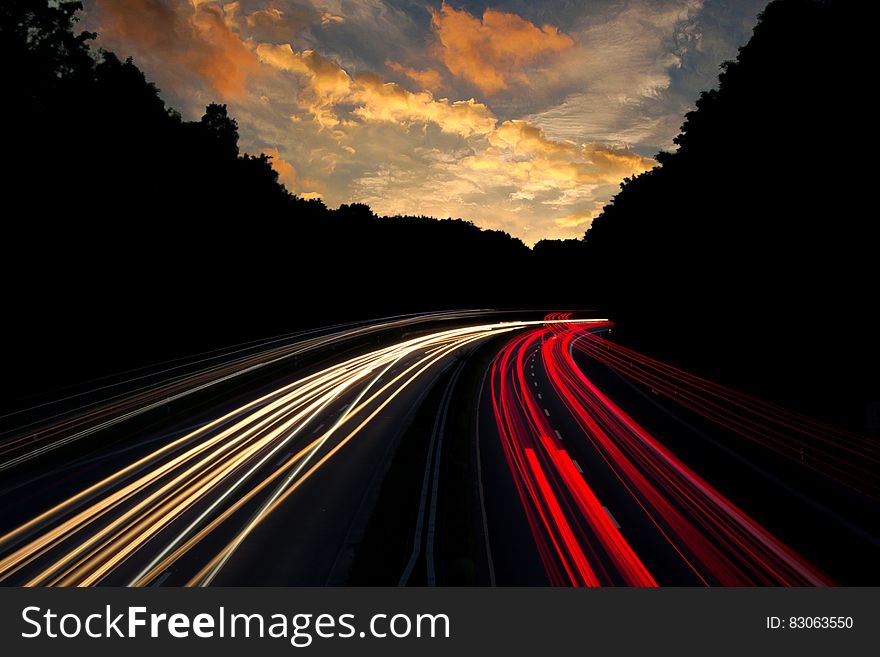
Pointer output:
x,y
717,540
31,441
310,451
288,486
169,501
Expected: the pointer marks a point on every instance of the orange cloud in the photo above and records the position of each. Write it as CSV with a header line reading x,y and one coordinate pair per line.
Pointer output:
x,y
373,99
271,24
295,183
428,79
577,219
286,171
191,38
327,18
495,52
386,101
522,150
328,83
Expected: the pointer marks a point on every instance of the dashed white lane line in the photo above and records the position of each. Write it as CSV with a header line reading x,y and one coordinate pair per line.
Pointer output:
x,y
546,412
536,384
539,396
578,466
161,578
558,435
611,516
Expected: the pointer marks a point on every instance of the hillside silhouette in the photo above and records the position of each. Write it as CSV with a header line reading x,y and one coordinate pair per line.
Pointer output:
x,y
132,235
750,254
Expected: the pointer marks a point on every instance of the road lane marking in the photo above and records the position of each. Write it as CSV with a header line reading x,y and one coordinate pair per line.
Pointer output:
x,y
558,435
546,412
539,396
578,466
161,578
611,516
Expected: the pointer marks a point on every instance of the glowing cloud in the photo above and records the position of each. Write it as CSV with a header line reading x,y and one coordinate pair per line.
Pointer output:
x,y
373,99
191,39
428,79
496,51
522,124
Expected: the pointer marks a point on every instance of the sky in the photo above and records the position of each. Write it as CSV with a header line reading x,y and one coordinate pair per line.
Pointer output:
x,y
518,115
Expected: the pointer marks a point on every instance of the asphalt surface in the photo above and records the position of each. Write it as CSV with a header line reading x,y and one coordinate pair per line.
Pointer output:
x,y
267,484
689,504
262,466
507,525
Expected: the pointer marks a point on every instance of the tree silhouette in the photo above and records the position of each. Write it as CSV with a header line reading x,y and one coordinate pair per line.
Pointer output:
x,y
222,129
132,235
749,252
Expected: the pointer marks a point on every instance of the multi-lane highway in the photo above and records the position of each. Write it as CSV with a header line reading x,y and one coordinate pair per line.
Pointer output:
x,y
274,480
606,501
189,509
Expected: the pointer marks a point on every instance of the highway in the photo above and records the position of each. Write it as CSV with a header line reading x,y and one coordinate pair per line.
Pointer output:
x,y
190,511
605,501
73,417
269,468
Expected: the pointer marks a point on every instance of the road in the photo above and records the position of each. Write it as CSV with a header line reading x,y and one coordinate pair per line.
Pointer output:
x,y
267,492
608,503
268,470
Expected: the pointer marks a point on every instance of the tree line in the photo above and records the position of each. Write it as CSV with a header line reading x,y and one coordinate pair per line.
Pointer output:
x,y
132,235
750,253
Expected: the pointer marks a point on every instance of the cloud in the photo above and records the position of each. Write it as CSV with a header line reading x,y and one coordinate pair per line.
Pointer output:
x,y
428,79
579,220
184,41
327,18
286,172
620,76
485,116
290,177
274,25
541,163
371,98
379,150
495,52
386,101
514,178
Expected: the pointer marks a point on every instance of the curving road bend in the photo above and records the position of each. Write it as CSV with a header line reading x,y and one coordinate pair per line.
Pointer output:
x,y
203,507
606,502
272,481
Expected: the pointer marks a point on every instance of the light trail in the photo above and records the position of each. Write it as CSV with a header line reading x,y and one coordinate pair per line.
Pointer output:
x,y
848,458
129,399
578,541
215,483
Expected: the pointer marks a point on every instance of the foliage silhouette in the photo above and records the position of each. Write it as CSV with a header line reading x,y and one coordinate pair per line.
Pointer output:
x,y
749,253
132,235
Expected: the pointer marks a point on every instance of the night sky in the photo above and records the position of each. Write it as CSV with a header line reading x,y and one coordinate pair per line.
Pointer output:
x,y
517,115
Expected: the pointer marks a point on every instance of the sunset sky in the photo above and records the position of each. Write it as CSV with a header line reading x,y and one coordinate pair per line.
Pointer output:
x,y
518,115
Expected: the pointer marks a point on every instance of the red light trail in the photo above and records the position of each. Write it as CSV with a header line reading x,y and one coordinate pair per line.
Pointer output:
x,y
578,541
846,457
